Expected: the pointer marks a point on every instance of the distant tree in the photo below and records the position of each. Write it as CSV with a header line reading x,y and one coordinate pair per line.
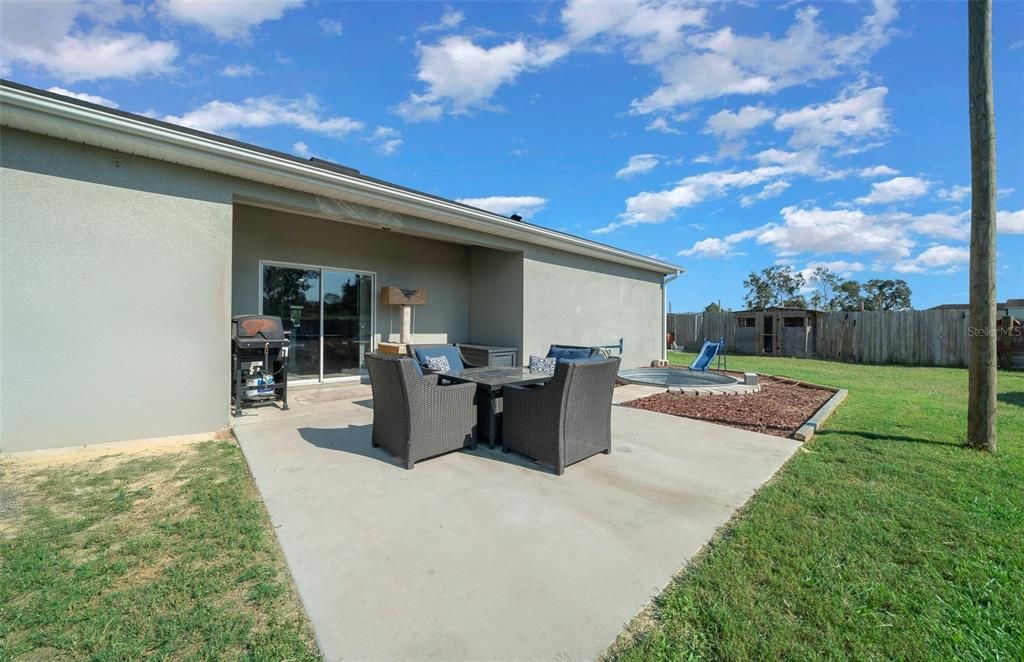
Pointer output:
x,y
712,307
759,291
780,285
847,296
886,294
825,283
798,301
774,286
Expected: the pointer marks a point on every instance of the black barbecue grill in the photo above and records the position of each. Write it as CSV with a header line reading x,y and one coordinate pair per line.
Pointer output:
x,y
259,344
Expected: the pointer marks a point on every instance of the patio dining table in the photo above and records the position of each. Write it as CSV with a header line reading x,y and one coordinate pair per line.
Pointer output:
x,y
490,381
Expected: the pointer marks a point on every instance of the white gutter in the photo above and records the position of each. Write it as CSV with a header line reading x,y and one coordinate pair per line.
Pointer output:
x,y
664,314
65,119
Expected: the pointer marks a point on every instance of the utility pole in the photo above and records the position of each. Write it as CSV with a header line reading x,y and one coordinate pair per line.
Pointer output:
x,y
981,384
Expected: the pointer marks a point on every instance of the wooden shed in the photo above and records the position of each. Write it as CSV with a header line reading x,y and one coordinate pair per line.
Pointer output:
x,y
776,331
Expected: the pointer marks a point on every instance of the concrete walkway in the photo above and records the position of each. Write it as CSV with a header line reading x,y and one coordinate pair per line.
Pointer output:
x,y
482,555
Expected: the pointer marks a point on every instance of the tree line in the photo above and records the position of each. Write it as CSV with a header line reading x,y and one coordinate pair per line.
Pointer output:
x,y
821,289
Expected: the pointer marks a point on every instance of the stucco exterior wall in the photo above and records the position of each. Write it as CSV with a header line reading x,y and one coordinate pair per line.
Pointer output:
x,y
115,280
496,298
401,260
573,300
119,275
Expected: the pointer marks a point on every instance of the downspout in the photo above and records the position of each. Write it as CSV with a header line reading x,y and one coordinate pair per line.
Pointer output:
x,y
664,313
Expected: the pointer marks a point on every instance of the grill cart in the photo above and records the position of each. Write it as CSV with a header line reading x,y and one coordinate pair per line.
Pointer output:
x,y
259,361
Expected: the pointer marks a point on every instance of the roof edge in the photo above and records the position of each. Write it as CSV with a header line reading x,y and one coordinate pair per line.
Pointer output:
x,y
292,167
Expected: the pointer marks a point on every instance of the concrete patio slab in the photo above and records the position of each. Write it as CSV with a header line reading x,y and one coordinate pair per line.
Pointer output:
x,y
634,392
482,555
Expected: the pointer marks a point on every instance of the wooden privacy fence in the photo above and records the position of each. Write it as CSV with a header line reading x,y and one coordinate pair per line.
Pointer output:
x,y
691,329
915,337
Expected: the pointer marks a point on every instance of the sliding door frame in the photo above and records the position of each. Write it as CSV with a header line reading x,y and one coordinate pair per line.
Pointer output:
x,y
373,314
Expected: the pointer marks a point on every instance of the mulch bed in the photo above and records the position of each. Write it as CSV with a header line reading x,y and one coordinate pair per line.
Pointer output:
x,y
779,408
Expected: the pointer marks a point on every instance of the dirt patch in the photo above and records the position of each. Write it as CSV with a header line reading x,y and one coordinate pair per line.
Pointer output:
x,y
113,451
779,408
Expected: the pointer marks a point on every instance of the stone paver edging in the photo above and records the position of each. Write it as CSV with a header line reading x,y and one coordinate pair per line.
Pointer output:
x,y
723,389
807,430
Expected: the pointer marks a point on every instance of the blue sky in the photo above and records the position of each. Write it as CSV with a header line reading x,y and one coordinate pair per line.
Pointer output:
x,y
722,136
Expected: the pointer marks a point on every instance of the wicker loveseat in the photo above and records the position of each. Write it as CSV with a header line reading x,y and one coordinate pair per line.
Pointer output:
x,y
414,417
566,420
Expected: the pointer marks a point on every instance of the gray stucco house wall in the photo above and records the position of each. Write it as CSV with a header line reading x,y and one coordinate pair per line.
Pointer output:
x,y
123,256
115,286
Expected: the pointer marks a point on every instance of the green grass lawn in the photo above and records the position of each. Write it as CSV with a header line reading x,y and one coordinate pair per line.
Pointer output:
x,y
883,538
166,555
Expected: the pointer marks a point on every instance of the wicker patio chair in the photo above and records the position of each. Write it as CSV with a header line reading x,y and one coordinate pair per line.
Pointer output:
x,y
413,416
450,350
566,420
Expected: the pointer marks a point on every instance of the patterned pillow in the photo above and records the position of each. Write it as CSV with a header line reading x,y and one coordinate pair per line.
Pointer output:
x,y
542,364
438,364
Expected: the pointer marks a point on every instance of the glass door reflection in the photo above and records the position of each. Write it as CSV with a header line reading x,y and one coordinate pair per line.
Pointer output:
x,y
329,313
346,321
293,294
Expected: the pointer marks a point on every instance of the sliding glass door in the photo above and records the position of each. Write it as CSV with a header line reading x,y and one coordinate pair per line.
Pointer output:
x,y
329,313
347,323
294,295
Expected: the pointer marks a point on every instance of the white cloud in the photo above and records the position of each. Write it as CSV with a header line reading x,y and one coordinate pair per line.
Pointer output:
x,y
773,190
451,19
331,27
388,140
255,112
1010,222
239,71
839,267
419,108
52,36
461,76
878,171
937,259
638,164
818,230
888,236
828,231
506,205
301,149
856,115
950,226
714,247
658,206
648,30
955,193
730,125
226,19
896,189
91,98
661,124
704,66
711,247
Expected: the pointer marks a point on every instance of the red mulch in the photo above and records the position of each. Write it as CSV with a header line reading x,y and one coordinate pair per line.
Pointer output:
x,y
779,408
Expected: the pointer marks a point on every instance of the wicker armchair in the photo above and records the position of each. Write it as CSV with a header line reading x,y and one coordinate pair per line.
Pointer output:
x,y
414,417
452,351
566,420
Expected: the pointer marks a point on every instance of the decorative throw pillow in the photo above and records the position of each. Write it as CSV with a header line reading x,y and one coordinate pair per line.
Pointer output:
x,y
439,364
542,364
